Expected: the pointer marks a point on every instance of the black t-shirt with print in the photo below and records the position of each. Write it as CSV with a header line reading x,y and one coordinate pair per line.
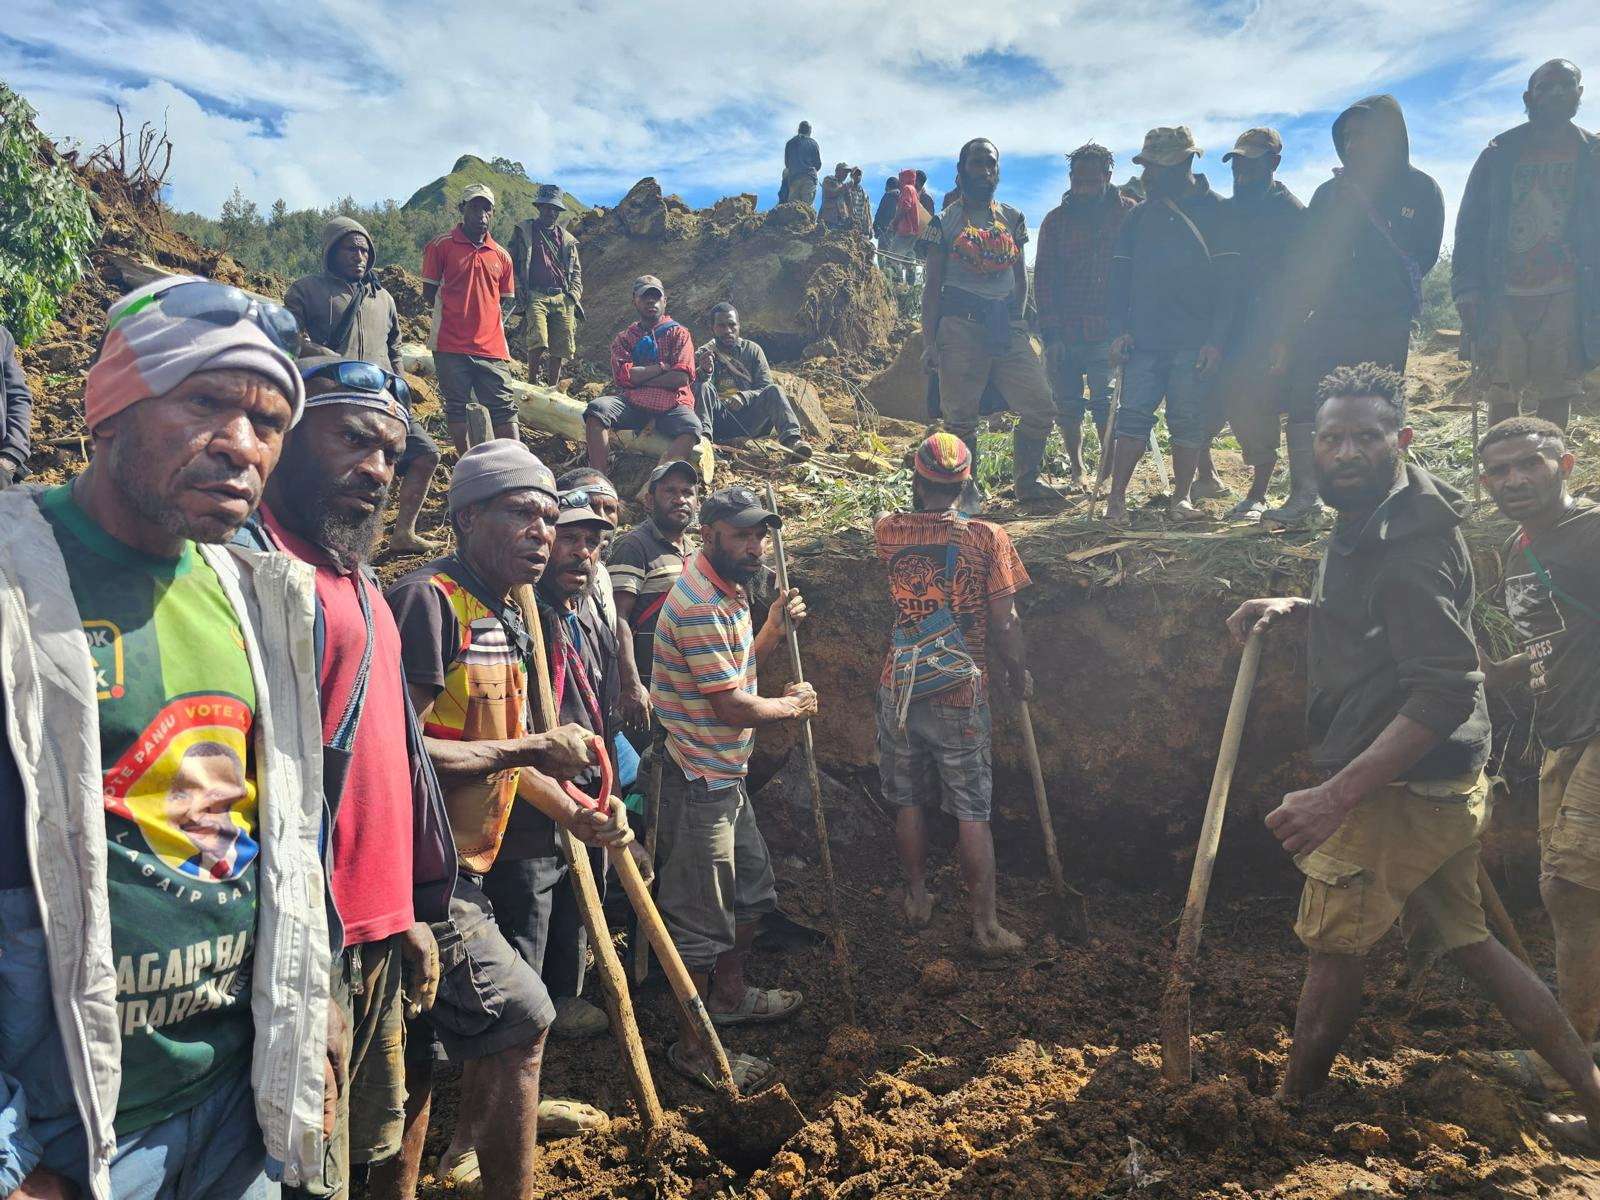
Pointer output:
x,y
1554,628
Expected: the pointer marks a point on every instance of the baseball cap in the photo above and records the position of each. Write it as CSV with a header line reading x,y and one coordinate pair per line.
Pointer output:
x,y
1167,146
667,468
1253,143
577,506
739,507
645,282
477,191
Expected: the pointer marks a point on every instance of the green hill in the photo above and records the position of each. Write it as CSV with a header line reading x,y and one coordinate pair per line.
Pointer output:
x,y
513,190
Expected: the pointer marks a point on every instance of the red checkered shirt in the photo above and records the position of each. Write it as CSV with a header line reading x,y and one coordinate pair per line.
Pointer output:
x,y
677,354
1072,269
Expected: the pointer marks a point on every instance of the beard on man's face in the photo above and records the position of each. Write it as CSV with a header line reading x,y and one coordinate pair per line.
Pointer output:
x,y
348,537
1357,486
129,456
733,568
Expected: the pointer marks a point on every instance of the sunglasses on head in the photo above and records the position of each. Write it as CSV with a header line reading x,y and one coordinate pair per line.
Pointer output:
x,y
362,377
220,304
578,498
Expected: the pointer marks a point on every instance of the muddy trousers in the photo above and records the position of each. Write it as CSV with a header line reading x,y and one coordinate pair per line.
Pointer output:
x,y
968,365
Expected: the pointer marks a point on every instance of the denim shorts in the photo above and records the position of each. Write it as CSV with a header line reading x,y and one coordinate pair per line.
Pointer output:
x,y
1156,375
614,412
941,757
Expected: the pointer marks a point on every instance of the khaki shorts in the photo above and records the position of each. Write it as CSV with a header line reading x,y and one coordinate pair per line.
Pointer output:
x,y
551,324
966,367
1569,814
1538,347
1410,852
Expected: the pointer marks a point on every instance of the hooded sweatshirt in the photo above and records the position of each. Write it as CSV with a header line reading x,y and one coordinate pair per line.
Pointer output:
x,y
1365,252
319,302
1391,633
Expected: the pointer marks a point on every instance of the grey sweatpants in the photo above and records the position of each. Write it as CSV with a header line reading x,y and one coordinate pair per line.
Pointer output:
x,y
713,867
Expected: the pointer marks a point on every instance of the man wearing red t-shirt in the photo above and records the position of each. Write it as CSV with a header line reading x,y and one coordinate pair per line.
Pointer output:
x,y
468,279
652,366
390,860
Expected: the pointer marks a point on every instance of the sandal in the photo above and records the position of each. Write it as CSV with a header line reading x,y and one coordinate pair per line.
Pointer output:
x,y
568,1118
781,1004
750,1074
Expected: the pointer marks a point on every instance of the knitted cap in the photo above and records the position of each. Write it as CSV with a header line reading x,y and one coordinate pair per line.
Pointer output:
x,y
500,465
944,458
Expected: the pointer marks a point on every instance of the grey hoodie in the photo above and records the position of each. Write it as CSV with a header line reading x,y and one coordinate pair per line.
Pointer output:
x,y
319,302
1391,633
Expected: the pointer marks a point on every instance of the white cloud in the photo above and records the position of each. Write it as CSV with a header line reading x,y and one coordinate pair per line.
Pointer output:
x,y
334,97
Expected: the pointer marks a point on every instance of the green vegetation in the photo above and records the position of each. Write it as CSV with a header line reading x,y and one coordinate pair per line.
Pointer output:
x,y
289,243
1438,309
46,226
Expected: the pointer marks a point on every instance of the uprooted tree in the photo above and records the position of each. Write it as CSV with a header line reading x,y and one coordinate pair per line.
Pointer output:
x,y
46,227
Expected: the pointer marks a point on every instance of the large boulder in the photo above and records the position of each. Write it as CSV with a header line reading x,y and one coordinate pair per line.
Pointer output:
x,y
901,389
792,282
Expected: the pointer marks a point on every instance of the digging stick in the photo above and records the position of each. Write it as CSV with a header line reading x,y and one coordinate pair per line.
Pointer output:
x,y
652,822
640,1081
1052,858
841,952
1499,919
1176,1066
1104,471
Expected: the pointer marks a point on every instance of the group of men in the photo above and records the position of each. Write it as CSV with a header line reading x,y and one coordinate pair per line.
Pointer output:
x,y
1232,311
260,926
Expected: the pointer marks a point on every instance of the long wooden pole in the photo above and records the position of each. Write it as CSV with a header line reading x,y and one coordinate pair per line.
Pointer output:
x,y
1499,919
1176,1065
1058,878
841,952
652,825
623,1023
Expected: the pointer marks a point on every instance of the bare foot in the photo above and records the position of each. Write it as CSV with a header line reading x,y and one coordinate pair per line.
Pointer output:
x,y
1116,512
919,907
404,542
996,941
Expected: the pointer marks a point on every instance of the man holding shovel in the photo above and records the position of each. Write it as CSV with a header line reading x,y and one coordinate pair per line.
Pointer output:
x,y
1399,727
465,654
952,582
716,880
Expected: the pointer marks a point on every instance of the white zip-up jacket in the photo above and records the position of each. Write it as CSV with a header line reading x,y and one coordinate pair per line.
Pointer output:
x,y
51,726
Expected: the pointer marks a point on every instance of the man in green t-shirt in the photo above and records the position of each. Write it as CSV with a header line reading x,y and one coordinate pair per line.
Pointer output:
x,y
147,781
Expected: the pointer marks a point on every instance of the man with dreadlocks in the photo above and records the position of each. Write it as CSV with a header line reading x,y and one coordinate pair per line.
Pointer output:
x,y
972,319
1070,273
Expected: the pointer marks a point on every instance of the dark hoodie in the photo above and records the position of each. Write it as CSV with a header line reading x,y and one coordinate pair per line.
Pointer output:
x,y
1171,289
1391,633
1267,226
1346,267
319,302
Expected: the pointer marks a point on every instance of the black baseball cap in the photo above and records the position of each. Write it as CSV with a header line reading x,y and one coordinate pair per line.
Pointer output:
x,y
739,507
666,468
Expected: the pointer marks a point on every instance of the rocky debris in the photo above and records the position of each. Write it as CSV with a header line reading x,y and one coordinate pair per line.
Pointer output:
x,y
807,403
1361,1138
792,282
902,390
941,977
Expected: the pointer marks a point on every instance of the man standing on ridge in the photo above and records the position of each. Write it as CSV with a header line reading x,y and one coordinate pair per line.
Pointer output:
x,y
345,311
468,279
544,259
1173,298
1525,268
1249,396
1071,273
973,328
1354,284
802,161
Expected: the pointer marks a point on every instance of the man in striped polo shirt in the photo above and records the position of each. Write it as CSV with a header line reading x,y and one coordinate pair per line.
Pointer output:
x,y
716,878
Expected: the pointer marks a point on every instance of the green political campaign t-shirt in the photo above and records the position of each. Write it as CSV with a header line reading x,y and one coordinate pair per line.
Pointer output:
x,y
176,710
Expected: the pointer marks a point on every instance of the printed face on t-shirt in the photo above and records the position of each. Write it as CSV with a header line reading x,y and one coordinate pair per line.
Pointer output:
x,y
208,783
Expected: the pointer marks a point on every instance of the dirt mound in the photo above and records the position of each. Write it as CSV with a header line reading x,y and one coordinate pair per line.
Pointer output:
x,y
793,283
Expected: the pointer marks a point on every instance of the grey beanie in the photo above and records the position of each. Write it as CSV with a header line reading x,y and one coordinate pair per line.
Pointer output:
x,y
500,465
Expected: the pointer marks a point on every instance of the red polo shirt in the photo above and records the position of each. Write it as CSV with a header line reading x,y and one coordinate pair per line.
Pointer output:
x,y
471,279
372,847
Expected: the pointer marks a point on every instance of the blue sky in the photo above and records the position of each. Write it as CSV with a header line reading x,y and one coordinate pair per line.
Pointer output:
x,y
326,98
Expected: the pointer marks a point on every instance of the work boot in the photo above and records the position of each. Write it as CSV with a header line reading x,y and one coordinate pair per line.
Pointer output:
x,y
1027,451
1304,505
